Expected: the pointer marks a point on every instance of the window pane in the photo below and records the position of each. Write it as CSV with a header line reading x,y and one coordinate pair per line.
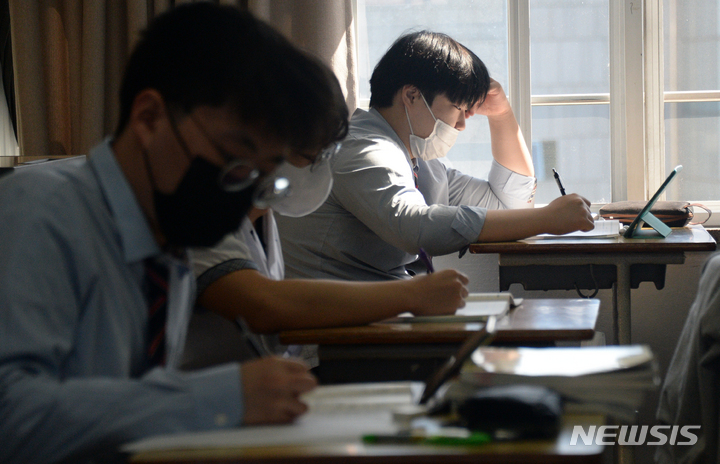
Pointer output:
x,y
570,55
692,138
575,140
569,47
692,35
481,26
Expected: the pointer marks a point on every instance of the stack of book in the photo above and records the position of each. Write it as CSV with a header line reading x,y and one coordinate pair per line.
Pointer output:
x,y
611,380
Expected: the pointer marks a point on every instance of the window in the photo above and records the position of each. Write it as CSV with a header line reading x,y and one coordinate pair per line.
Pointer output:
x,y
691,31
570,85
483,29
583,78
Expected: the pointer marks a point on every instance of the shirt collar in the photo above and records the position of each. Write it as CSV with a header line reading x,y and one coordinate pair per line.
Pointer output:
x,y
137,239
386,129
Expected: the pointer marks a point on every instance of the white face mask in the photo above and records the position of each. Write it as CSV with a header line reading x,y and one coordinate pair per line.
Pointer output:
x,y
309,191
437,144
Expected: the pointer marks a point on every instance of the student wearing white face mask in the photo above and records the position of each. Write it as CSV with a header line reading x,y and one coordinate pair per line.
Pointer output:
x,y
242,277
392,196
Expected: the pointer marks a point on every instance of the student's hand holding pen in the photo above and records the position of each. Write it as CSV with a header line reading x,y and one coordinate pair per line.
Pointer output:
x,y
568,213
439,293
271,387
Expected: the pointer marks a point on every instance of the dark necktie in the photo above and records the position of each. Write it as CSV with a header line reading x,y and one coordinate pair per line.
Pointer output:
x,y
156,288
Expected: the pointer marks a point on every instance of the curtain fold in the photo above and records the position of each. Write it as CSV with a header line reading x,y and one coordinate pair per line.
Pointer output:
x,y
68,58
322,27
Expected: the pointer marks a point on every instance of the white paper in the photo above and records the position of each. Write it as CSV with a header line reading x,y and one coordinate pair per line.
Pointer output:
x,y
371,405
604,228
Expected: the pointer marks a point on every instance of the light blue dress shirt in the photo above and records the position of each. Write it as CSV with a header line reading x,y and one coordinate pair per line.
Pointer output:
x,y
375,220
73,321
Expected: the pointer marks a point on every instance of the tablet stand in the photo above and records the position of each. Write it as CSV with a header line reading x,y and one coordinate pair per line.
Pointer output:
x,y
649,219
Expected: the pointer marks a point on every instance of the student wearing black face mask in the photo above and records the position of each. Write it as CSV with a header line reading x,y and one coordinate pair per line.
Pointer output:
x,y
209,202
97,290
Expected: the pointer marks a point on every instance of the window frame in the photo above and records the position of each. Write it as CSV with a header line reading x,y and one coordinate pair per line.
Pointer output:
x,y
636,98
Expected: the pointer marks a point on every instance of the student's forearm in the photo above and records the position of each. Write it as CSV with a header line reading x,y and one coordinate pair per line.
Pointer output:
x,y
508,144
301,304
509,225
270,306
565,214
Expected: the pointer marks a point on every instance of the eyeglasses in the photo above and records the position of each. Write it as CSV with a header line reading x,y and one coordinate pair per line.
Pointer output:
x,y
239,174
324,156
270,191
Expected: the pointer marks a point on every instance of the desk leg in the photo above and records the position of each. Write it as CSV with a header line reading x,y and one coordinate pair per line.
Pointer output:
x,y
621,305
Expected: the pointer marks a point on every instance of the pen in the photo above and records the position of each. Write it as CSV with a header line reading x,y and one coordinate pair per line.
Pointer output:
x,y
426,261
251,338
559,182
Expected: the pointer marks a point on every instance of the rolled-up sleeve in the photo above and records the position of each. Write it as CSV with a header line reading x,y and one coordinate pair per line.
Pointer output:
x,y
228,256
504,189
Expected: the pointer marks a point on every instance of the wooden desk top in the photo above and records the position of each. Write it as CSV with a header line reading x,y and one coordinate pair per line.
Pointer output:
x,y
682,239
356,452
534,321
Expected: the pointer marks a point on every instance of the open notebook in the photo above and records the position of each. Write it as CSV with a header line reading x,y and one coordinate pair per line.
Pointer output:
x,y
336,412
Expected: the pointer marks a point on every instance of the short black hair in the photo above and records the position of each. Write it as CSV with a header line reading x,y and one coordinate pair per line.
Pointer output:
x,y
435,64
201,54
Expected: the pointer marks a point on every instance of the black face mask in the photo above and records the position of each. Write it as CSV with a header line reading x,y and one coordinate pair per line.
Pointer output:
x,y
199,212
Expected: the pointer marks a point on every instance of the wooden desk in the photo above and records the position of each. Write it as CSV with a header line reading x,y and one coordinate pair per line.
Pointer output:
x,y
386,351
354,451
617,263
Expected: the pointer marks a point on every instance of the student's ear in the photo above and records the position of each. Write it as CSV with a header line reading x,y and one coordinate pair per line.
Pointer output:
x,y
147,110
408,94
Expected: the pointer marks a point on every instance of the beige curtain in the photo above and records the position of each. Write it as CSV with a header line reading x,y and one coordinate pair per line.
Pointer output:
x,y
322,27
68,57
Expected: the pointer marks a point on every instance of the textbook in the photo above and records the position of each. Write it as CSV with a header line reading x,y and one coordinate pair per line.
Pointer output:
x,y
478,307
605,379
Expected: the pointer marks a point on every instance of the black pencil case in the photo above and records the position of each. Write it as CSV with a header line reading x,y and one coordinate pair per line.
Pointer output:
x,y
513,412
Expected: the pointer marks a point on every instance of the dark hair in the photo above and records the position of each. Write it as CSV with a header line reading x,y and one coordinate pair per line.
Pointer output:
x,y
204,54
435,64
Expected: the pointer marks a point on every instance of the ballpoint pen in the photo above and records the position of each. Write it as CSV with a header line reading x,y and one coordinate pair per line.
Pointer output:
x,y
559,182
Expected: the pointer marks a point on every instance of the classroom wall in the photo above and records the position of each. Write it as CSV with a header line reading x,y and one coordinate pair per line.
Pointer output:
x,y
657,315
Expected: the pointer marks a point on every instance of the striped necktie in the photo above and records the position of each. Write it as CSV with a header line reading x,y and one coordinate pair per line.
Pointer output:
x,y
156,289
